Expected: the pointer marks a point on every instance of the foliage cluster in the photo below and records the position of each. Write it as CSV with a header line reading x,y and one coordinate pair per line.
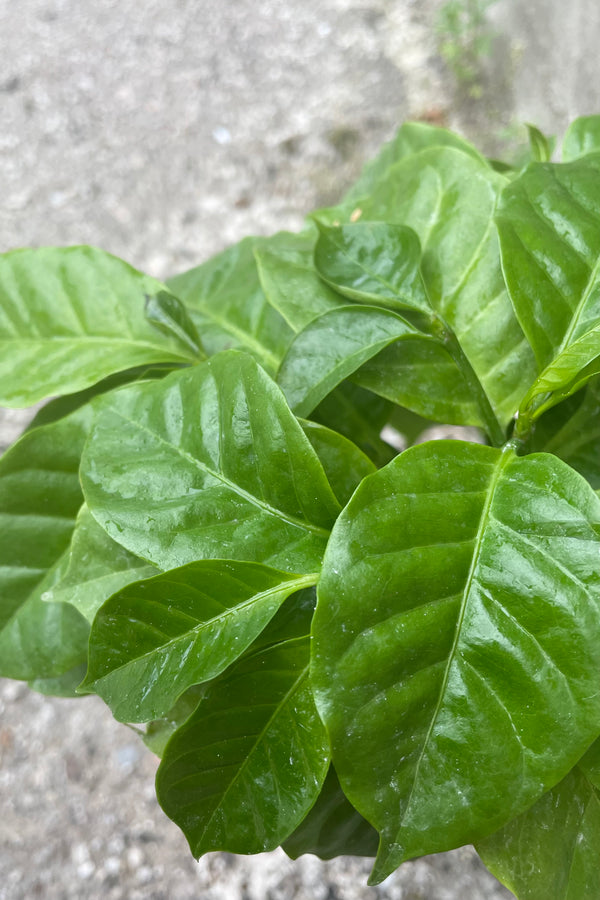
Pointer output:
x,y
332,646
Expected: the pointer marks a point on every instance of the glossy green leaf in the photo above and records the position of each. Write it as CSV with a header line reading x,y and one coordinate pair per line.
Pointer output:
x,y
208,463
39,500
170,316
582,137
289,278
422,376
373,262
227,304
334,346
160,731
551,852
411,138
97,567
572,432
156,638
457,641
243,771
344,464
360,416
550,238
71,316
332,827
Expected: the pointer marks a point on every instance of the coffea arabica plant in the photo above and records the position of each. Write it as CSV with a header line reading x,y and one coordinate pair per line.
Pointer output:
x,y
333,647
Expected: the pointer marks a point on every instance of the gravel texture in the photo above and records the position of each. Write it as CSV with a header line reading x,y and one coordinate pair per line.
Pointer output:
x,y
163,132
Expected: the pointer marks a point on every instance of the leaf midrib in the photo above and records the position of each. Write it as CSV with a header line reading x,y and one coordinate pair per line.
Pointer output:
x,y
504,459
236,488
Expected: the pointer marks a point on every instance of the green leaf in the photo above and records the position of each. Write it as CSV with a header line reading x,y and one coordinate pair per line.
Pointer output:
x,y
373,262
449,199
71,316
411,138
344,464
39,500
332,827
171,317
97,567
334,346
456,641
229,309
208,463
159,731
572,432
551,851
540,146
156,638
244,770
64,685
582,137
550,238
359,415
289,278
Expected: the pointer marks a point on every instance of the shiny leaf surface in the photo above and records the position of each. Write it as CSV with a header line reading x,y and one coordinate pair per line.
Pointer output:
x,y
156,638
244,770
334,346
208,463
344,464
551,851
71,316
456,641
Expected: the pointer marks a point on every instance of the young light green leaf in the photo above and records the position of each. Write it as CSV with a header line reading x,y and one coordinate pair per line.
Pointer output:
x,y
344,463
226,302
334,346
289,279
208,463
550,239
539,145
456,641
243,771
71,316
332,827
582,137
449,199
97,567
39,500
171,317
156,638
373,262
550,852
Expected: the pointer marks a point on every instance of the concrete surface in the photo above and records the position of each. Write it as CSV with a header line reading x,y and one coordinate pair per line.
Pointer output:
x,y
163,132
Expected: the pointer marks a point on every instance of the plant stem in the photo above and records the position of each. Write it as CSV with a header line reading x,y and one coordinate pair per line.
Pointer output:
x,y
494,430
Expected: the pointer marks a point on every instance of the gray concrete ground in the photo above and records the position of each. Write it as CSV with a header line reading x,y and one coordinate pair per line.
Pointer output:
x,y
163,132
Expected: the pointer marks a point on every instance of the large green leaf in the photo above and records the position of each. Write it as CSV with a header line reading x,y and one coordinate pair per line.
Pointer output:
x,y
39,500
334,346
226,302
289,278
373,262
551,852
449,199
208,463
97,567
411,138
155,638
244,770
549,229
582,137
457,641
71,316
332,827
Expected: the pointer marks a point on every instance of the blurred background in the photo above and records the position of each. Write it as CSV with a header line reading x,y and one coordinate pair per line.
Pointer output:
x,y
164,132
